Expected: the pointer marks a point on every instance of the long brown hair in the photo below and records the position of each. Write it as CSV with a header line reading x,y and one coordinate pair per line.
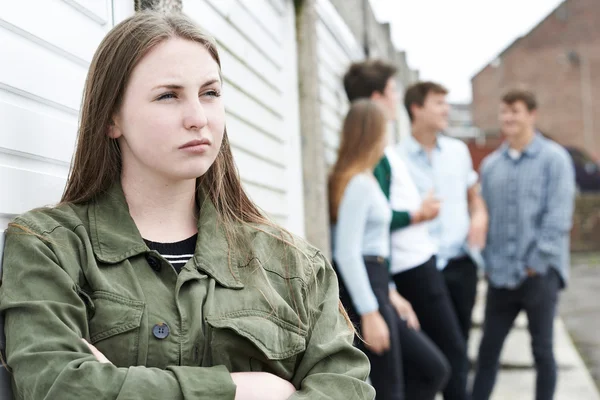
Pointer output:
x,y
361,147
97,160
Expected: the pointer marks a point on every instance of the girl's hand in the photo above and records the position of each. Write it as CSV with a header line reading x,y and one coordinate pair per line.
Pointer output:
x,y
99,356
261,386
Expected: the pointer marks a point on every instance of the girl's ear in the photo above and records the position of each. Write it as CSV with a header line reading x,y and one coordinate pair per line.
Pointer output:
x,y
114,131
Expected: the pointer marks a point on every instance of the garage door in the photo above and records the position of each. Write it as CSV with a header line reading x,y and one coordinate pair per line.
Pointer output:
x,y
47,46
337,48
257,45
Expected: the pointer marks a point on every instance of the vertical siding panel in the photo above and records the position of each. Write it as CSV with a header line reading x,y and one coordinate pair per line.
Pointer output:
x,y
38,116
257,43
337,49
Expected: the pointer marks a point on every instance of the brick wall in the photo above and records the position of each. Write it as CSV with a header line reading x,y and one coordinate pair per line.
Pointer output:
x,y
560,61
585,235
481,150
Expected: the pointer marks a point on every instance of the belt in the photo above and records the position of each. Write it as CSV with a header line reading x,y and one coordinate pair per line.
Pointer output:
x,y
459,259
375,259
531,272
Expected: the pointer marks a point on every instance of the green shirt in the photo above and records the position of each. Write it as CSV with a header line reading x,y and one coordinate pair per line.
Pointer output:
x,y
383,174
84,271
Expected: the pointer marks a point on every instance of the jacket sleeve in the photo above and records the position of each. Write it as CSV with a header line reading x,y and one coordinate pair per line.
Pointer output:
x,y
383,173
331,368
348,243
400,219
45,320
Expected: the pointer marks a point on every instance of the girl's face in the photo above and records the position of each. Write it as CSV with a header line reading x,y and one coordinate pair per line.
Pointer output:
x,y
171,123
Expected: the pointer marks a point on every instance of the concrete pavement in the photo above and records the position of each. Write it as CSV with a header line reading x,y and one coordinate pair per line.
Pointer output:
x,y
516,379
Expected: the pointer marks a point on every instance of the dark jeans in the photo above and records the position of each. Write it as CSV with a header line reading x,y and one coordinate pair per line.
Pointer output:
x,y
413,368
425,289
461,279
538,296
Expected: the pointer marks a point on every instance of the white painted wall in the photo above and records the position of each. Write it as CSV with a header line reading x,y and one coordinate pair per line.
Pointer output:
x,y
257,45
45,57
402,128
46,47
337,48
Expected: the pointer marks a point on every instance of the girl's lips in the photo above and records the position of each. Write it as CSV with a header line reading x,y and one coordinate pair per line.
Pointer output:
x,y
195,143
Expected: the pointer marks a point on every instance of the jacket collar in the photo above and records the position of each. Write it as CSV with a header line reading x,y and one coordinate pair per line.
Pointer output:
x,y
115,237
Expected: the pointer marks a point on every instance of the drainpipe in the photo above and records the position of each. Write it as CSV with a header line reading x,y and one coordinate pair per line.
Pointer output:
x,y
314,169
366,47
587,97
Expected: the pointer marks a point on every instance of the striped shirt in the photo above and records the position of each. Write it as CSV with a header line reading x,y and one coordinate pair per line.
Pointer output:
x,y
177,253
530,198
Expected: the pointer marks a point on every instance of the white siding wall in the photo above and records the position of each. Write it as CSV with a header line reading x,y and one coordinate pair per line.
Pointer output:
x,y
257,45
337,49
46,47
403,123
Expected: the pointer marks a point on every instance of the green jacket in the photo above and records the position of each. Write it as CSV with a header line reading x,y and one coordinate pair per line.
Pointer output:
x,y
84,271
383,174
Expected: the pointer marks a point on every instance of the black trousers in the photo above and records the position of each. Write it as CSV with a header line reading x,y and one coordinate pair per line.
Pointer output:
x,y
425,288
461,280
538,296
413,368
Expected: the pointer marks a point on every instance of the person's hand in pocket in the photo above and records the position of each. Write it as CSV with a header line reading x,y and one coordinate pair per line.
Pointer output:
x,y
404,310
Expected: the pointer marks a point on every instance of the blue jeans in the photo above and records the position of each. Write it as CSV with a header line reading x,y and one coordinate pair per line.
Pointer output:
x,y
538,296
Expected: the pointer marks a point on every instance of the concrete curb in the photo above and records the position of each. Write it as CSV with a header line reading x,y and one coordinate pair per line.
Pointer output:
x,y
516,379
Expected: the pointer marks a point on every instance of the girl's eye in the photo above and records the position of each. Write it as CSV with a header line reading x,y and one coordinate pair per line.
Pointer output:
x,y
212,93
166,96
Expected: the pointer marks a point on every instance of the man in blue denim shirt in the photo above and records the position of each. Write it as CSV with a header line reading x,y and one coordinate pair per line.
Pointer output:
x,y
529,187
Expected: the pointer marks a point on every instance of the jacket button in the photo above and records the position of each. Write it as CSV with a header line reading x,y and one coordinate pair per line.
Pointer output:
x,y
153,262
160,331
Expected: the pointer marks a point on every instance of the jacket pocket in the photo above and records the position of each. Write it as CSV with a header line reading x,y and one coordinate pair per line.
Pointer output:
x,y
115,327
256,341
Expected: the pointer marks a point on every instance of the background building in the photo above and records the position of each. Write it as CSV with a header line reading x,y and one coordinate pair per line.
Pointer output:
x,y
460,122
559,60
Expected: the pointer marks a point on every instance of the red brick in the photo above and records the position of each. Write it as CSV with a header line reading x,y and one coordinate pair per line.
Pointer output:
x,y
539,62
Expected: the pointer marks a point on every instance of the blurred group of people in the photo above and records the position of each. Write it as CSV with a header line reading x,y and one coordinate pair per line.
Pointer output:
x,y
414,227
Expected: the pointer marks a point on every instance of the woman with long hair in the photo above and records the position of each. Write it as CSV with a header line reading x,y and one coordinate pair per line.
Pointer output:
x,y
156,277
405,364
